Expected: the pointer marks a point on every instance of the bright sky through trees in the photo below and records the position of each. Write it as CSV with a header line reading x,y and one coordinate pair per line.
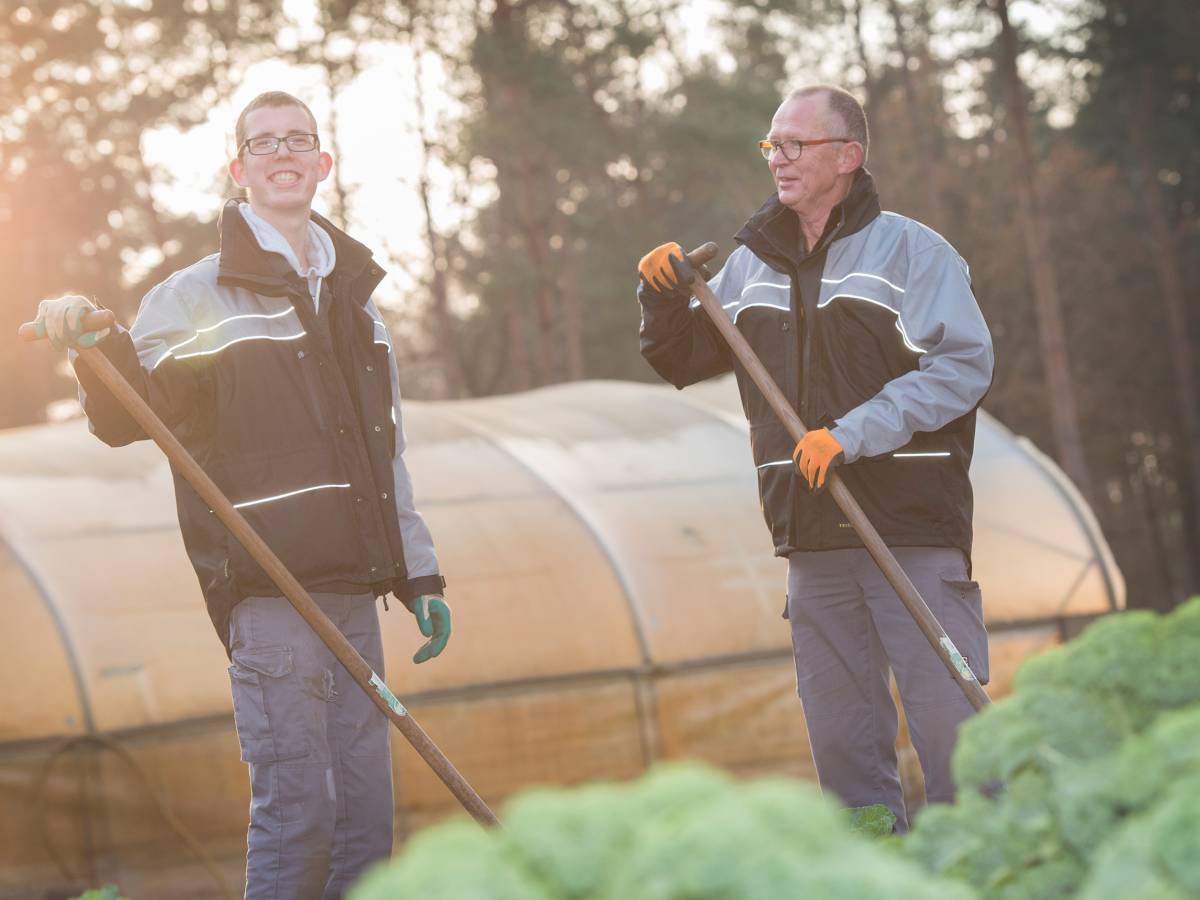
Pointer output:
x,y
566,138
377,149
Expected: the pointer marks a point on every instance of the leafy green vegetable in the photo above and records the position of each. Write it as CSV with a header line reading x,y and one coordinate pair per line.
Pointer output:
x,y
1084,784
1098,748
456,861
1091,798
872,821
1153,856
682,831
108,892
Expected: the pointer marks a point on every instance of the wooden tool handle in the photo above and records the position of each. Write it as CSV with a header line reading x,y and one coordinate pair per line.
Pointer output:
x,y
702,254
93,321
883,556
342,649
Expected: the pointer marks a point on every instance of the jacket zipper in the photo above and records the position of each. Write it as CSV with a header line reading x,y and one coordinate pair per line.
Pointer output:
x,y
363,456
809,401
803,380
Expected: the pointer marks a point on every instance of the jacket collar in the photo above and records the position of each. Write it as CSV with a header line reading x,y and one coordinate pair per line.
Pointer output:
x,y
773,233
244,263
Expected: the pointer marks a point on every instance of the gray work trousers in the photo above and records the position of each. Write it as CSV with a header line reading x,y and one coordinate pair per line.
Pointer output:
x,y
320,770
848,629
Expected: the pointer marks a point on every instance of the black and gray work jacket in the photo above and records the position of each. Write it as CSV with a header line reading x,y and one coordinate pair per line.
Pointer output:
x,y
291,407
874,334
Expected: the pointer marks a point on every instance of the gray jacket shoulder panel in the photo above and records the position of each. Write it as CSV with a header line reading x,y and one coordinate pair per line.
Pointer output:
x,y
190,315
745,281
876,265
910,270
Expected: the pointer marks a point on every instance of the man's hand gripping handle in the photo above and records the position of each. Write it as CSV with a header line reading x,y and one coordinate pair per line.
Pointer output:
x,y
97,320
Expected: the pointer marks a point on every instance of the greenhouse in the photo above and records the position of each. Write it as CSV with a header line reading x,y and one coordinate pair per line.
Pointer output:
x,y
615,598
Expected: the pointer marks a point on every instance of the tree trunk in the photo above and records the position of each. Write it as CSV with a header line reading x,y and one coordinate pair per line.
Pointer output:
x,y
537,241
448,352
572,313
1143,490
921,129
341,202
335,80
860,43
1140,97
522,374
1064,414
520,195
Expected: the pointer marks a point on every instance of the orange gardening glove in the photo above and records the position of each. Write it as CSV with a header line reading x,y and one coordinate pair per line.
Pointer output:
x,y
666,269
816,454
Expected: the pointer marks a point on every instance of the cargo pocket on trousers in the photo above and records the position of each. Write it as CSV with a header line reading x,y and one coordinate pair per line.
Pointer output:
x,y
971,636
268,705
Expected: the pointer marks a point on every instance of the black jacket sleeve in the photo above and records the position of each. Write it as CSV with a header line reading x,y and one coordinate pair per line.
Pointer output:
x,y
172,387
679,340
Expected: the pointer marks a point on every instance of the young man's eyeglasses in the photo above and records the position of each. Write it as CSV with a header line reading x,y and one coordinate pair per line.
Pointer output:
x,y
792,149
297,143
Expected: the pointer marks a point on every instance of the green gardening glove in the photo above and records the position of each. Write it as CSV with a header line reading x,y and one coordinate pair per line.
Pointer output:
x,y
61,320
433,618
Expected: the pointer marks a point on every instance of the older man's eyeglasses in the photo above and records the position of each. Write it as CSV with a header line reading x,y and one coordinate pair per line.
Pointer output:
x,y
792,149
297,143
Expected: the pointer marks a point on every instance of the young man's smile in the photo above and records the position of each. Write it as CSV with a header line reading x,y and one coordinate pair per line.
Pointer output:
x,y
284,178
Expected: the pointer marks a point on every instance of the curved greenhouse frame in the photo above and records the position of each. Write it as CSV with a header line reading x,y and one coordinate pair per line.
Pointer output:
x,y
615,601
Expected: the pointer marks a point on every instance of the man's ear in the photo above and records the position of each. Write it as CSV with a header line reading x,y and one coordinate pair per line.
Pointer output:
x,y
853,157
324,166
237,171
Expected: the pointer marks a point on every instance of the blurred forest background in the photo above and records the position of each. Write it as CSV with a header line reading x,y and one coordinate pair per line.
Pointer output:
x,y
550,143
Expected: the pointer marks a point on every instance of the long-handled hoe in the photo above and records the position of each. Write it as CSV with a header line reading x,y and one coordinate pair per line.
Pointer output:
x,y
358,668
909,596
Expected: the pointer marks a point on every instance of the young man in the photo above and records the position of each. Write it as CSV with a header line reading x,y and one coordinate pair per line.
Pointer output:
x,y
867,323
271,364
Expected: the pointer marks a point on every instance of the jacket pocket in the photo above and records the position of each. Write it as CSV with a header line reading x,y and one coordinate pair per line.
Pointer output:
x,y
310,366
301,504
268,705
772,451
904,498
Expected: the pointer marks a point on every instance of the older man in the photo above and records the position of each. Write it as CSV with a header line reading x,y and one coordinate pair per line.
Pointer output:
x,y
272,365
867,322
